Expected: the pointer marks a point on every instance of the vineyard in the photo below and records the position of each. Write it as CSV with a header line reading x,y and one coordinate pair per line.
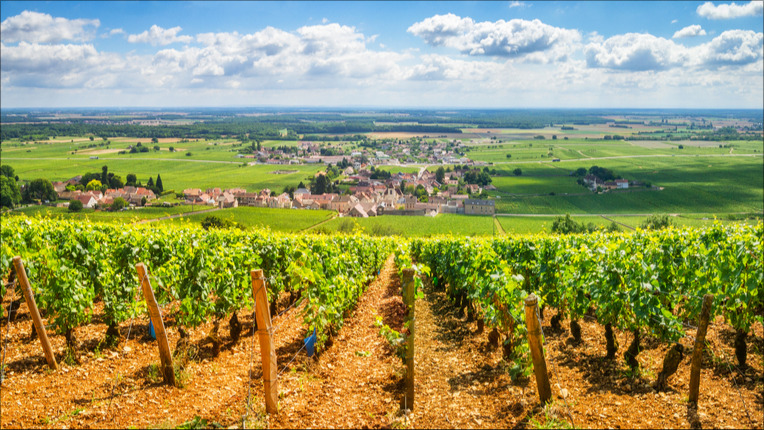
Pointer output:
x,y
647,287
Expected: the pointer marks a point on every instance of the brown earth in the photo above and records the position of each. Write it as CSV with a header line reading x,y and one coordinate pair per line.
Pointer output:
x,y
461,381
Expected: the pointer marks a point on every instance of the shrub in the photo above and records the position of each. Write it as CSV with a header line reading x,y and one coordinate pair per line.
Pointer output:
x,y
75,206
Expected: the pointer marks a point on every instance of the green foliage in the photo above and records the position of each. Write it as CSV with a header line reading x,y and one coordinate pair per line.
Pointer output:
x,y
657,222
518,171
118,204
211,221
9,192
566,225
75,206
7,171
396,340
93,185
39,189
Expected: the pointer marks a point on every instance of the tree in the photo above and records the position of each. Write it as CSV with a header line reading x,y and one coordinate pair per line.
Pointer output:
x,y
509,155
657,222
158,183
39,189
7,171
75,206
115,181
94,185
150,183
118,204
320,185
104,175
440,174
300,185
87,177
518,171
143,201
131,179
9,192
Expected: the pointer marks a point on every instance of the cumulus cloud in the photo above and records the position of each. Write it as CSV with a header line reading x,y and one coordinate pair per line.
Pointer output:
x,y
689,31
62,65
642,52
157,35
511,39
732,48
38,27
635,52
729,11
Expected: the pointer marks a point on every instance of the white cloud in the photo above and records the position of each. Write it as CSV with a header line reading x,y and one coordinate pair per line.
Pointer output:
x,y
689,31
157,35
732,48
517,4
674,21
116,31
729,11
38,27
642,52
51,66
635,52
512,39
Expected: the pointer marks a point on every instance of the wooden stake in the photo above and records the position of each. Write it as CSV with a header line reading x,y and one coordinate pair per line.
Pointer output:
x,y
409,299
537,350
697,353
268,352
21,274
168,371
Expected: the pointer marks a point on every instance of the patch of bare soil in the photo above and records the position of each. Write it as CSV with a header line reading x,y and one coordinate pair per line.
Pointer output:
x,y
356,382
121,387
461,381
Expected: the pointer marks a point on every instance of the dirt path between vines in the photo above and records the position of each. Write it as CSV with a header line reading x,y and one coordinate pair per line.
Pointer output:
x,y
355,383
461,382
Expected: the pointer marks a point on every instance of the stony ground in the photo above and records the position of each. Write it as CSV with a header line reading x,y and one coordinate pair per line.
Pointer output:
x,y
357,381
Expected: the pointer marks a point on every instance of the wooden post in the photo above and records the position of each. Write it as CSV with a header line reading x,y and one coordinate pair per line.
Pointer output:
x,y
409,299
21,274
267,351
168,371
697,353
537,350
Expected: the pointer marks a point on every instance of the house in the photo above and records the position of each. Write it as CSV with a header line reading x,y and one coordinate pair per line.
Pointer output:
x,y
358,212
343,203
410,202
227,200
246,199
479,207
60,187
87,200
473,188
622,184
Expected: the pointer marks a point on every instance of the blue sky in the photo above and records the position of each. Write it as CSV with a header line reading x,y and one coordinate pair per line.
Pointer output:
x,y
397,54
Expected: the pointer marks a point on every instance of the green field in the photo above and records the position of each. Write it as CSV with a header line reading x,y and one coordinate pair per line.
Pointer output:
x,y
411,226
125,216
286,220
537,224
700,178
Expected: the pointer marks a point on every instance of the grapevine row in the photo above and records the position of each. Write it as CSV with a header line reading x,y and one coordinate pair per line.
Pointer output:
x,y
199,274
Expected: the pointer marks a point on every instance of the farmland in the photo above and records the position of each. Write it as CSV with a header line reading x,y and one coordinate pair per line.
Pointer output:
x,y
686,176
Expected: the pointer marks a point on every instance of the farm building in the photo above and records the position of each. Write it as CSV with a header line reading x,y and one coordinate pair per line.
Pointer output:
x,y
479,207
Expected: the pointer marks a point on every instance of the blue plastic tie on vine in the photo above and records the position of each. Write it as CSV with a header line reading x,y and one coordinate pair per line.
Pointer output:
x,y
310,344
152,333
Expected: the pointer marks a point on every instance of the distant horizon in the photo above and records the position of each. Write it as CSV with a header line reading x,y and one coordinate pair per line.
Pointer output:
x,y
418,54
378,108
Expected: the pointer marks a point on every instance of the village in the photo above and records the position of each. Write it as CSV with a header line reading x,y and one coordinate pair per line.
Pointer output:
x,y
370,151
361,197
